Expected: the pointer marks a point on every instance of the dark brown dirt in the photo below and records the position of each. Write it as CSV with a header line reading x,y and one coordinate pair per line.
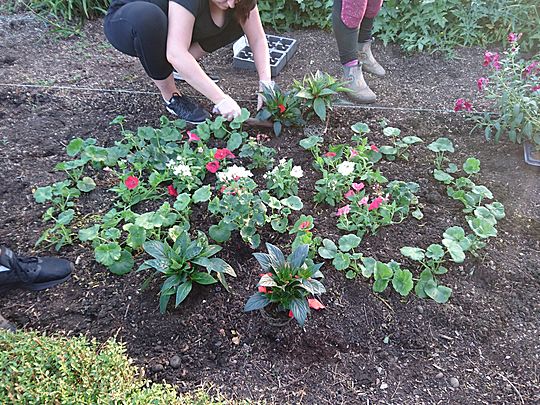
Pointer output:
x,y
486,336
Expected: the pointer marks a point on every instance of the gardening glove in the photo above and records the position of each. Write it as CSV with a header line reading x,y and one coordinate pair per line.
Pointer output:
x,y
263,84
228,108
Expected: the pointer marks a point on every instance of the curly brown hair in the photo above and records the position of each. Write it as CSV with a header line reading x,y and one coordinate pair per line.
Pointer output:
x,y
242,9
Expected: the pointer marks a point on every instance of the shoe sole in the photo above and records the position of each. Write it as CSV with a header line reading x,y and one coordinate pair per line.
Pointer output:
x,y
179,78
33,286
191,122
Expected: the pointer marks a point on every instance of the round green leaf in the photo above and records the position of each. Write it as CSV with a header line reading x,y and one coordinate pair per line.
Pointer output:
x,y
348,242
402,282
202,194
341,261
86,184
123,265
413,253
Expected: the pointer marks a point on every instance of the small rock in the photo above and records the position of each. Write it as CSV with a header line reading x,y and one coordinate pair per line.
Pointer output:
x,y
175,361
454,382
236,340
439,376
384,386
157,367
420,309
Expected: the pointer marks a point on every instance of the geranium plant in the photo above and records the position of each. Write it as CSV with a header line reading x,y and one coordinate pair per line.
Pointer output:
x,y
283,179
288,283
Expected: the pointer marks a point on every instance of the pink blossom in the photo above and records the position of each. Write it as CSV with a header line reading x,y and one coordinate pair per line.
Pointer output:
x,y
375,203
349,193
223,153
364,201
192,137
291,315
304,225
213,166
374,148
330,154
358,186
513,37
172,191
491,58
315,303
529,69
462,105
343,210
536,88
262,289
354,152
131,182
482,82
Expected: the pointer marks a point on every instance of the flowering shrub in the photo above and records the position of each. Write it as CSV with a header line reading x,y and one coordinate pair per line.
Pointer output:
x,y
282,108
286,283
283,179
513,85
261,156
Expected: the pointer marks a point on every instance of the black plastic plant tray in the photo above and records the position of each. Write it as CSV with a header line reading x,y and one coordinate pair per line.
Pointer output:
x,y
281,51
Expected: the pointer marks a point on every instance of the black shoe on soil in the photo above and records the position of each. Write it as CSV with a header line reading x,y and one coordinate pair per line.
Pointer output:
x,y
31,273
185,108
4,324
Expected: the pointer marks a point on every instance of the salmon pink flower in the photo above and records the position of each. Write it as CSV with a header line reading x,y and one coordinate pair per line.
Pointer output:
x,y
482,82
330,154
213,166
349,193
363,201
281,108
315,304
223,153
343,210
262,289
192,137
172,191
375,203
354,152
374,148
357,186
304,225
131,182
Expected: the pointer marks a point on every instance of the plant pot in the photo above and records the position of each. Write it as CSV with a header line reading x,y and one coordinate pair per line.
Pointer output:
x,y
275,316
532,156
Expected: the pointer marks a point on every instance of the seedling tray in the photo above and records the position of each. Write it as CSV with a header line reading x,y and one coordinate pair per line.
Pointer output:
x,y
281,51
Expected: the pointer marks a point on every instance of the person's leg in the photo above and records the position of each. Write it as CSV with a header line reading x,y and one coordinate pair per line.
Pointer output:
x,y
140,29
369,63
346,18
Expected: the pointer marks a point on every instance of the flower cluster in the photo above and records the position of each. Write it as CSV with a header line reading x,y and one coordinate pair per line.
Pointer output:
x,y
462,105
234,173
179,168
283,179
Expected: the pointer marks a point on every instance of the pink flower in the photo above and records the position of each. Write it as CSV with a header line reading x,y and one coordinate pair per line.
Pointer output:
x,y
513,37
291,315
192,137
315,304
343,210
536,88
304,225
213,166
363,201
529,69
374,148
354,152
262,289
349,193
223,153
330,154
489,58
172,191
357,186
131,182
482,82
375,203
462,104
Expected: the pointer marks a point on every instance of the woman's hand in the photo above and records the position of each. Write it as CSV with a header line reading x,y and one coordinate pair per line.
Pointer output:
x,y
228,108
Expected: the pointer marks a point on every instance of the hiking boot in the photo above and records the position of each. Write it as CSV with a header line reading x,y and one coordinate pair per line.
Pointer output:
x,y
31,273
185,108
178,76
359,90
4,324
369,63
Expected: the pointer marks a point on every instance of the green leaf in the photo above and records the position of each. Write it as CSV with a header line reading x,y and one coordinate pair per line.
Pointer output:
x,y
320,109
348,242
220,266
456,251
155,249
485,213
86,184
442,176
108,253
481,227
203,278
387,150
234,141
392,132
402,282
471,166
418,214
497,209
310,142
43,194
136,237
328,250
299,308
441,145
182,292
380,285
341,261
369,264
452,168
413,253
66,217
256,301
164,301
360,128
123,265
383,271
293,202
435,251
411,140
74,147
182,202
299,256
89,233
482,191
202,194
219,233
438,293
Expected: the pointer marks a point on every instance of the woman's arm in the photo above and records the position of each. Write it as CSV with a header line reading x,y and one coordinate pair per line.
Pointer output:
x,y
179,36
257,41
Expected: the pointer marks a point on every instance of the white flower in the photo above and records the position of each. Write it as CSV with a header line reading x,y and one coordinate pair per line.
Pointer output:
x,y
282,161
234,173
297,172
345,168
182,170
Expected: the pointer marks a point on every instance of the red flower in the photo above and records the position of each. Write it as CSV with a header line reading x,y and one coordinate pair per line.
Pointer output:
x,y
213,166
315,304
192,137
304,225
330,154
281,108
172,191
481,83
262,289
462,104
131,182
374,148
223,153
375,203
513,37
291,315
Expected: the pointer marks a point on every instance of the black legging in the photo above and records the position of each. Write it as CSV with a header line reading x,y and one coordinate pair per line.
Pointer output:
x,y
139,28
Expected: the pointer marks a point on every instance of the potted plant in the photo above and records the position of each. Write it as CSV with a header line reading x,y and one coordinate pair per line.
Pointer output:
x,y
282,108
287,286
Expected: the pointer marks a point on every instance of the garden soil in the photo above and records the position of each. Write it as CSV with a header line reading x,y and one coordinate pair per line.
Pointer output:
x,y
482,347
